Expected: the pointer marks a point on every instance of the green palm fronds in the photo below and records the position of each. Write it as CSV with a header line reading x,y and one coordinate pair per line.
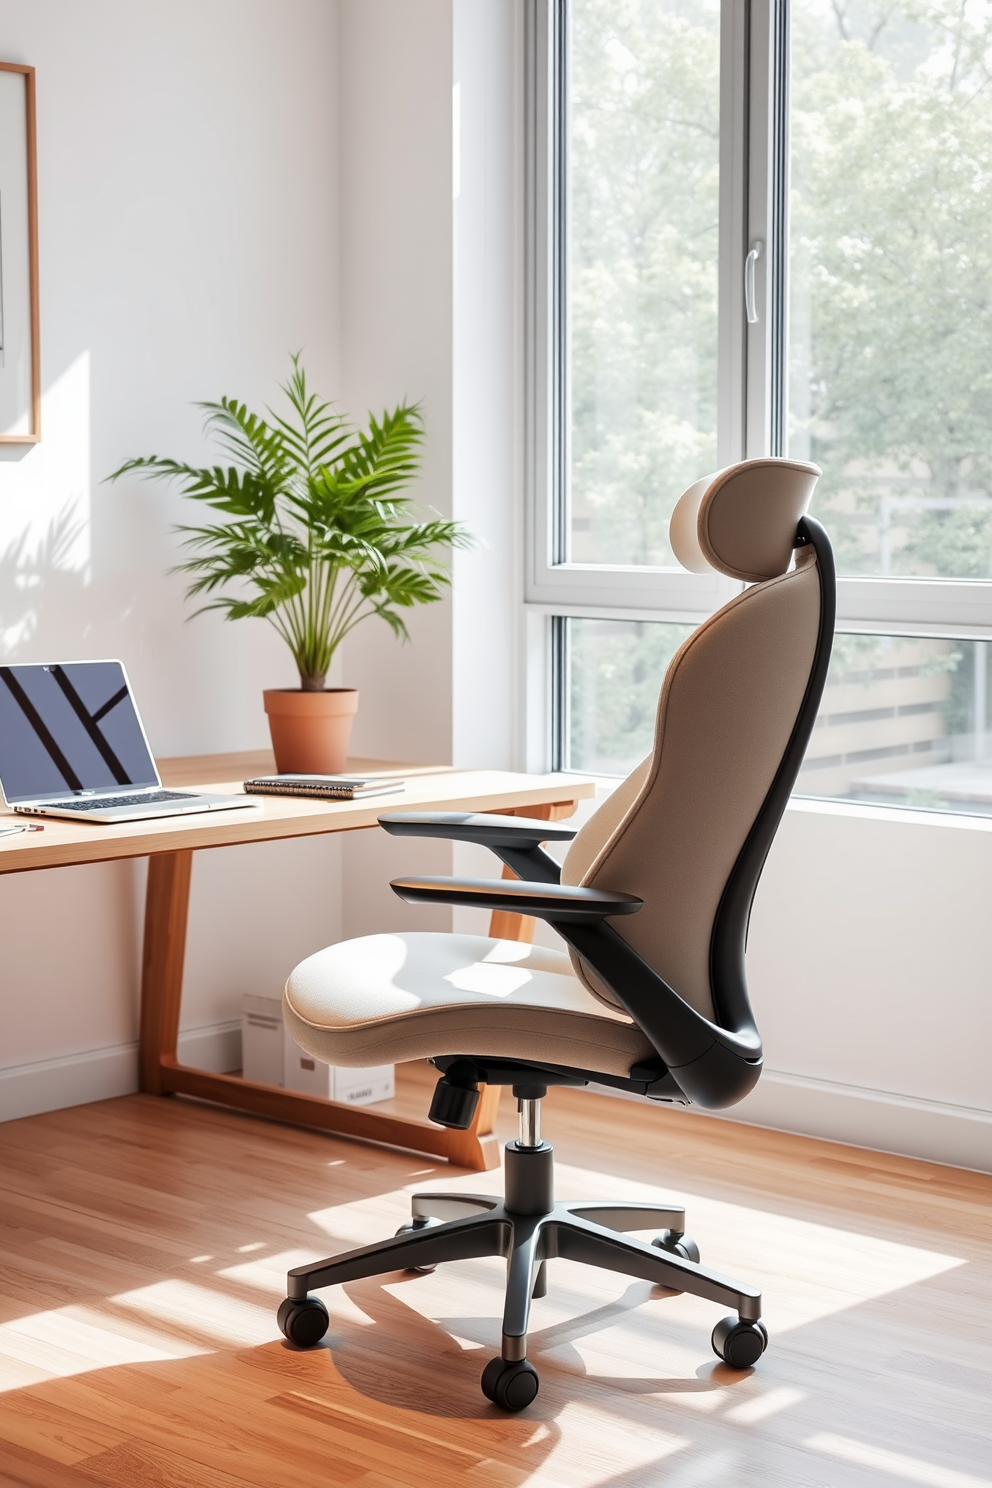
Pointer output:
x,y
316,535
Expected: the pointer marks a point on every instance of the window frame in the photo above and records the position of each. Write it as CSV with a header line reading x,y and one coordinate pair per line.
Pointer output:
x,y
752,368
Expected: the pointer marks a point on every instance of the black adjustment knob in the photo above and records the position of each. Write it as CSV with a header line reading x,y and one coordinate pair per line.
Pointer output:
x,y
454,1105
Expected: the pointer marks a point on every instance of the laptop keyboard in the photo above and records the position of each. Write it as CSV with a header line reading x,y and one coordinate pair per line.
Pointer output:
x,y
105,801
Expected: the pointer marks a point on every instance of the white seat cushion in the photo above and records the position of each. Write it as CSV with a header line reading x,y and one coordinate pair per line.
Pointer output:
x,y
383,999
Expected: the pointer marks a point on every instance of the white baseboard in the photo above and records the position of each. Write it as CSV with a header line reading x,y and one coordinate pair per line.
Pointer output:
x,y
909,1125
960,1136
101,1074
75,1080
216,1047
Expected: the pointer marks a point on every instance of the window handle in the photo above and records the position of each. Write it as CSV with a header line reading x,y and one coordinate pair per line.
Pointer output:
x,y
750,305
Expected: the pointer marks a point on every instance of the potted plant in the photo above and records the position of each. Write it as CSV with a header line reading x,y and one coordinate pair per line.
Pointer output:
x,y
315,538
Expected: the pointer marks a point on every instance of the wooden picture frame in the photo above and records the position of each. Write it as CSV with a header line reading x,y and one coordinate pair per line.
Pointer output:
x,y
20,365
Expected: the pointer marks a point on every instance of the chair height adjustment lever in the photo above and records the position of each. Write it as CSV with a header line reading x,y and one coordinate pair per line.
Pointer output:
x,y
454,1104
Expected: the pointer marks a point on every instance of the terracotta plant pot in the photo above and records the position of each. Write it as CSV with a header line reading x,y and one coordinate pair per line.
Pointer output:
x,y
310,730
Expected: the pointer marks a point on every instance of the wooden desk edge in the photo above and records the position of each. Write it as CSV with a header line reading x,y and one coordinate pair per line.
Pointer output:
x,y
27,852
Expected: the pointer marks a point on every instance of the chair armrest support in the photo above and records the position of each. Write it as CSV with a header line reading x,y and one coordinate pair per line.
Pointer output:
x,y
516,840
714,1066
553,902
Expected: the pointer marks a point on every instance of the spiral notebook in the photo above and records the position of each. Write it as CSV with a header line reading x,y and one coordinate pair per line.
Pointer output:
x,y
323,787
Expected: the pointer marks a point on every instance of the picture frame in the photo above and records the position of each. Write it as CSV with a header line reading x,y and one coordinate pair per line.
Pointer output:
x,y
20,368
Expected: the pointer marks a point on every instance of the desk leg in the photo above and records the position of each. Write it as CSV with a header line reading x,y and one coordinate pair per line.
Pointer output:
x,y
166,909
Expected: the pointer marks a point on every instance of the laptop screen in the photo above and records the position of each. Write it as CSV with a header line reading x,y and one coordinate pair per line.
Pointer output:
x,y
66,729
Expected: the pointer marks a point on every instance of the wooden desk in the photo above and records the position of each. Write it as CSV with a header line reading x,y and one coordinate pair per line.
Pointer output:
x,y
169,844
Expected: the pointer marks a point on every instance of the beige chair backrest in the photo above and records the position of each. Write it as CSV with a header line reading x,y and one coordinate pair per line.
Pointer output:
x,y
673,830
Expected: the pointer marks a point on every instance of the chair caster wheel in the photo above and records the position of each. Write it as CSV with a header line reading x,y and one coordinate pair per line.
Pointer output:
x,y
680,1245
411,1228
304,1322
510,1386
738,1343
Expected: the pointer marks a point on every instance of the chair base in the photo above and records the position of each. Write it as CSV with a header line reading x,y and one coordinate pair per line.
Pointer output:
x,y
529,1227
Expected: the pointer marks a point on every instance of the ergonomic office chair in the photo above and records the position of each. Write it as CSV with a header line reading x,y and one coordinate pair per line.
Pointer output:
x,y
652,901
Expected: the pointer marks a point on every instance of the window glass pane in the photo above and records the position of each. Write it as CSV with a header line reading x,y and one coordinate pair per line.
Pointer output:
x,y
904,722
614,674
891,279
642,152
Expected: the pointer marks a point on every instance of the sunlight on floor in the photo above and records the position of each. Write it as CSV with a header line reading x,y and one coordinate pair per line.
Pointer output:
x,y
763,1406
171,1358
77,1339
822,1281
268,1273
591,1323
910,1469
616,1453
203,1312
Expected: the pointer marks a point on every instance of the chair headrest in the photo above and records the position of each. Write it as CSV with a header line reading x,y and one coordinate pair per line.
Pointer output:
x,y
742,521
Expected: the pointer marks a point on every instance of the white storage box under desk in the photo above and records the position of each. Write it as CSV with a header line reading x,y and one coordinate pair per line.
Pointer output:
x,y
262,1038
354,1087
270,1056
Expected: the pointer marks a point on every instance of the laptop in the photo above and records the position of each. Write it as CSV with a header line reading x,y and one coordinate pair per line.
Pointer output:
x,y
72,745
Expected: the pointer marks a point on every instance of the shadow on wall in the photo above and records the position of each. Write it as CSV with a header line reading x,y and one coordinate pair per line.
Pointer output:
x,y
41,586
46,591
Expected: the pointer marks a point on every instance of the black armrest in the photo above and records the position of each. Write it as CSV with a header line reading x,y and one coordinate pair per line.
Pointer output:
x,y
552,902
488,830
516,840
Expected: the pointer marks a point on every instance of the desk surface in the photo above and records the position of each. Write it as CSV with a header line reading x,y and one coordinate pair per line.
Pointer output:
x,y
427,788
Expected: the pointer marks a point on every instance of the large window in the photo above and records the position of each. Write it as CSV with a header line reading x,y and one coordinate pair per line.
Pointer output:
x,y
643,189
891,280
765,228
904,722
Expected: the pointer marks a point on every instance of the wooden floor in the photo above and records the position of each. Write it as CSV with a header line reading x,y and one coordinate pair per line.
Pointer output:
x,y
144,1247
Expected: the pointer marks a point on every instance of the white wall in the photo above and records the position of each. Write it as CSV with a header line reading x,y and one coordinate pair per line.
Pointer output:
x,y
396,158
188,235
488,381
431,268
869,969
430,265
187,160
